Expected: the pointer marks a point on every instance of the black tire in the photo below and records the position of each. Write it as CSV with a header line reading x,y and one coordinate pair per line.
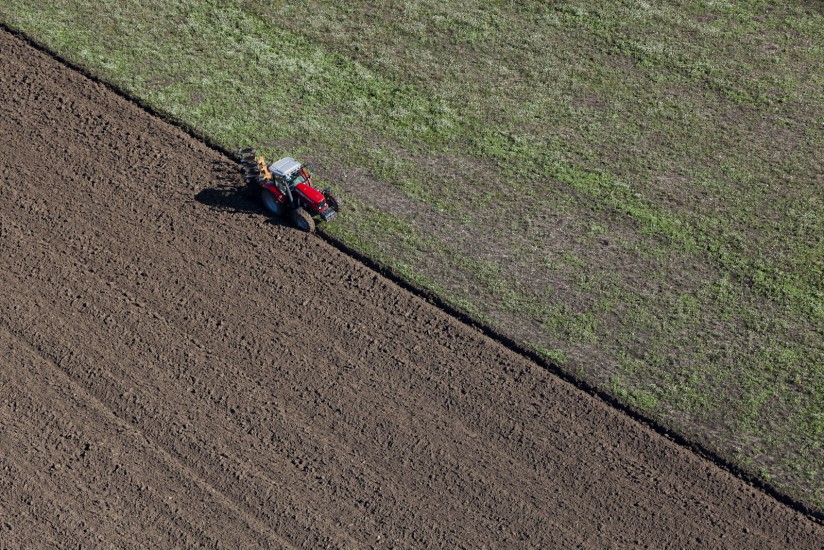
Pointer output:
x,y
271,203
303,220
332,199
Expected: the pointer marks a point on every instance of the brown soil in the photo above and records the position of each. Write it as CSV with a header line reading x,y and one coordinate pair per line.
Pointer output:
x,y
179,371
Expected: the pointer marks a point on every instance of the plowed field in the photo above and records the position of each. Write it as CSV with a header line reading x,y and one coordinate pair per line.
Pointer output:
x,y
178,370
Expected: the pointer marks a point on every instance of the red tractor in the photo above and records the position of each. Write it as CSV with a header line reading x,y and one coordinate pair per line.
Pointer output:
x,y
286,190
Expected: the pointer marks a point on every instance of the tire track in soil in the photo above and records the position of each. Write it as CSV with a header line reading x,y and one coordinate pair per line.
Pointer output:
x,y
125,394
72,431
321,402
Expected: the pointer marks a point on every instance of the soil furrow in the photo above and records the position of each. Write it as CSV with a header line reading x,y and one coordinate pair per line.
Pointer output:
x,y
444,482
448,475
83,442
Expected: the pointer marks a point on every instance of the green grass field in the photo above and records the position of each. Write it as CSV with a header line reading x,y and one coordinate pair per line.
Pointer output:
x,y
634,190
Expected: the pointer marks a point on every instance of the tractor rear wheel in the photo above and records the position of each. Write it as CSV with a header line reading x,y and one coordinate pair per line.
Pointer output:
x,y
332,199
303,220
271,203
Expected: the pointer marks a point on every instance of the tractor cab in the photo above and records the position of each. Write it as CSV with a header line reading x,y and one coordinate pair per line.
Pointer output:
x,y
287,171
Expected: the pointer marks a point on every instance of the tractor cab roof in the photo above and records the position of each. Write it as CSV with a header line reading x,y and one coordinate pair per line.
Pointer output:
x,y
285,167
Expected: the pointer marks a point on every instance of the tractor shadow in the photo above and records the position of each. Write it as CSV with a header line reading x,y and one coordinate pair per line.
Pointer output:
x,y
230,198
232,195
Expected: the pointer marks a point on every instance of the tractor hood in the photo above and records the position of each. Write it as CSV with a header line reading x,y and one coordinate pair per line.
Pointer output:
x,y
311,194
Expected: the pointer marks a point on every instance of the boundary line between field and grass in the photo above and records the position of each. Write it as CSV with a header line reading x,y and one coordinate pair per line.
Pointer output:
x,y
433,299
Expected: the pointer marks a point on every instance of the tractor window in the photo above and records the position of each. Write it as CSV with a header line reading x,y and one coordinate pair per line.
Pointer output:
x,y
298,178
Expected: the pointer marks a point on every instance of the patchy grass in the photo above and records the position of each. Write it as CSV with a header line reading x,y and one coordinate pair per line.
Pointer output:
x,y
634,190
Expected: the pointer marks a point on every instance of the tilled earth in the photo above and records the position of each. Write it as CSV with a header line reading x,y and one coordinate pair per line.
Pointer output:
x,y
178,370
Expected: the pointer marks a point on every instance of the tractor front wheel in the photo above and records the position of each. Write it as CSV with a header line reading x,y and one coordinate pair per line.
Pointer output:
x,y
332,199
303,220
